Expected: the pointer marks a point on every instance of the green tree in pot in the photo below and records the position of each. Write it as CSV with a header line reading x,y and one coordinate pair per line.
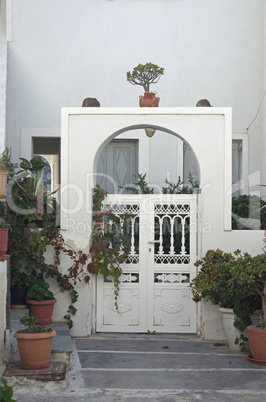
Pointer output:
x,y
217,281
144,75
34,344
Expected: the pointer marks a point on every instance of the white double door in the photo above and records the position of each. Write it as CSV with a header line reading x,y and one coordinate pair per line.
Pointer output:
x,y
154,290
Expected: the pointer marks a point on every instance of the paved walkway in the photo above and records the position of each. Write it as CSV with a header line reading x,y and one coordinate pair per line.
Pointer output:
x,y
150,368
168,368
138,368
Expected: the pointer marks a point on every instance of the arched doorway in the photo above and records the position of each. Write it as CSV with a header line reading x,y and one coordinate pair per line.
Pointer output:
x,y
85,134
162,238
168,158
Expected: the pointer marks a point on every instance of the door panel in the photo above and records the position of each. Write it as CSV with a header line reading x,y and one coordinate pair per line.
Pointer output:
x,y
154,293
117,165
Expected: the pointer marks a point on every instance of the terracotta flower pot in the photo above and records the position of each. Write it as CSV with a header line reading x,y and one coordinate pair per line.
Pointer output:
x,y
257,343
149,100
42,310
3,243
35,349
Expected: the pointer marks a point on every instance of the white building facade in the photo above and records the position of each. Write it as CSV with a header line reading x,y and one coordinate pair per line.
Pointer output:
x,y
59,52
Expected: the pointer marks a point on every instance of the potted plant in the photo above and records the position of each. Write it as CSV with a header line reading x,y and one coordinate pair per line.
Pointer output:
x,y
32,213
28,196
41,300
144,75
251,272
34,344
217,281
4,228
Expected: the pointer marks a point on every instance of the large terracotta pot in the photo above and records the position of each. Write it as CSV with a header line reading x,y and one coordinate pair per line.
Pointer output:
x,y
35,349
149,100
3,181
257,343
42,310
3,243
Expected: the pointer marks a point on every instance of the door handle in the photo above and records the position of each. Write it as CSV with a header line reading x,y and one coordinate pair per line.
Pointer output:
x,y
150,242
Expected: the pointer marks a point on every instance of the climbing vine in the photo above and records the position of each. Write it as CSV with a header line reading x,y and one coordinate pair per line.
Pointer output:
x,y
107,251
32,213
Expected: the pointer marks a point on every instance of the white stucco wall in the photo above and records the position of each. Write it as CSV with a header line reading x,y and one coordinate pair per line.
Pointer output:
x,y
93,127
65,50
3,80
264,106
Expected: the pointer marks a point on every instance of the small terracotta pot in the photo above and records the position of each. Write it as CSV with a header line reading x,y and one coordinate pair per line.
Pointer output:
x,y
257,342
42,310
34,349
149,100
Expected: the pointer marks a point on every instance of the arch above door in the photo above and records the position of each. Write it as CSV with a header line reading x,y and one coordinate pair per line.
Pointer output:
x,y
86,131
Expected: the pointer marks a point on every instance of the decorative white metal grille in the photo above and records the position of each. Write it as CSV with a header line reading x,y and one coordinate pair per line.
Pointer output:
x,y
172,278
172,209
172,234
128,215
121,209
129,278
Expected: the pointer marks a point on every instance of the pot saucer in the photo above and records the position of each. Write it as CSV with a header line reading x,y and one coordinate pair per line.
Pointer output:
x,y
254,361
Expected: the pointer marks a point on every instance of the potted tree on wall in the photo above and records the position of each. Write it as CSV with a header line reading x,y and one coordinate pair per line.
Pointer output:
x,y
144,75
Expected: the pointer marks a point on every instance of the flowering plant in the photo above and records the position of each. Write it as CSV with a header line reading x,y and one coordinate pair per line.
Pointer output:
x,y
107,251
28,249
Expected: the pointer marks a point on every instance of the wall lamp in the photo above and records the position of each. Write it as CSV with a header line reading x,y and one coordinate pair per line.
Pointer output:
x,y
149,131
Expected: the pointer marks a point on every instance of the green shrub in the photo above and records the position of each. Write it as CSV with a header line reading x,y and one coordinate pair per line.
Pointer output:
x,y
248,206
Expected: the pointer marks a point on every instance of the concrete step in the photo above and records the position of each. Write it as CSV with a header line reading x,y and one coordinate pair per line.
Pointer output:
x,y
162,363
